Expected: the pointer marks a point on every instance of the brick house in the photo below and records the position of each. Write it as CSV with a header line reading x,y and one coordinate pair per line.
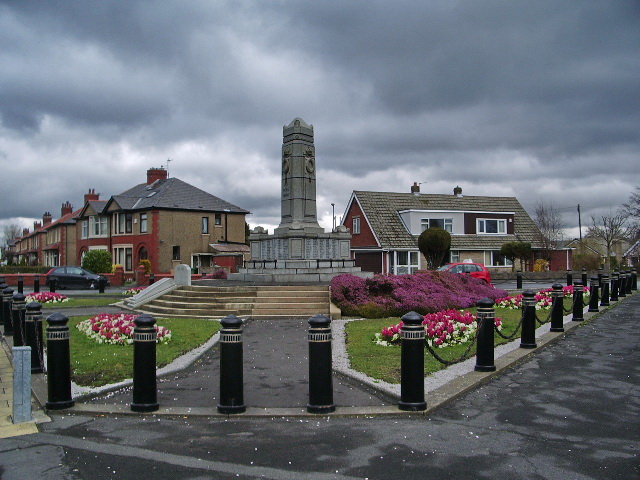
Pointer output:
x,y
58,243
166,221
385,228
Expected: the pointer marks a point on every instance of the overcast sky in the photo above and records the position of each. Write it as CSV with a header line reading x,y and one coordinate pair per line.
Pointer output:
x,y
538,100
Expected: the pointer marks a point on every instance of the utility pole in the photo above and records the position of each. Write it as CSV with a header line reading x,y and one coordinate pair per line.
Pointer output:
x,y
169,160
580,225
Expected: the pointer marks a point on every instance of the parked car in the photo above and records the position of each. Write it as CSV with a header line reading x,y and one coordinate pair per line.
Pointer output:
x,y
476,270
74,277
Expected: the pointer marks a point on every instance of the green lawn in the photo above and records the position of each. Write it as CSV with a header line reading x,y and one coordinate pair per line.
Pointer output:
x,y
383,363
95,364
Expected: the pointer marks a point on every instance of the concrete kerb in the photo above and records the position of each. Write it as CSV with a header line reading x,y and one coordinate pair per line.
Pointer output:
x,y
440,388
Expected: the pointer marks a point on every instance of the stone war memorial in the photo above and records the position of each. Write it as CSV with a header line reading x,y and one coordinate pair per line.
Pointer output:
x,y
299,249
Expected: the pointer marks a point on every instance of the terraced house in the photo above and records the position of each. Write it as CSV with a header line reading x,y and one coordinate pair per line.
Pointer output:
x,y
385,228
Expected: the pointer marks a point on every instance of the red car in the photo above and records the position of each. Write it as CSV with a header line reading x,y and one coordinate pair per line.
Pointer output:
x,y
476,270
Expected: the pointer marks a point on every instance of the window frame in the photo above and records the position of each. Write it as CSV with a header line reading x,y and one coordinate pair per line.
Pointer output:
x,y
355,224
481,226
205,225
447,223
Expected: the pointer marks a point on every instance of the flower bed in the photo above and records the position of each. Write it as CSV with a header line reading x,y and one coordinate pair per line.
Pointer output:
x,y
395,295
544,299
46,297
116,329
133,290
442,329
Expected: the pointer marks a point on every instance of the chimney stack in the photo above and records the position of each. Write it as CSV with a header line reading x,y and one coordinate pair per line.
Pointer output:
x,y
154,174
415,188
46,218
457,191
36,226
25,232
91,196
66,208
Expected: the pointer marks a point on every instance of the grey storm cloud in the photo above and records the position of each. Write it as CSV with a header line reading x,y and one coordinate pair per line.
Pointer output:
x,y
533,99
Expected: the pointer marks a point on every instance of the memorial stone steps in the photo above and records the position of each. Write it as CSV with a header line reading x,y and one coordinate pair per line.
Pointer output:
x,y
256,302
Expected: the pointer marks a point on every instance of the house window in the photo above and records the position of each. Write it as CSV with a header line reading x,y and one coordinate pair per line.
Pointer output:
x,y
455,256
404,262
143,223
443,223
205,224
85,229
218,219
124,256
99,226
124,222
356,225
176,252
494,259
490,226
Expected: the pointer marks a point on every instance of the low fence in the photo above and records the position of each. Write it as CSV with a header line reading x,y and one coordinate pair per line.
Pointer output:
x,y
24,323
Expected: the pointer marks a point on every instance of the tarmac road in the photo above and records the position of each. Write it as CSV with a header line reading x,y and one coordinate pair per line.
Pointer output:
x,y
572,411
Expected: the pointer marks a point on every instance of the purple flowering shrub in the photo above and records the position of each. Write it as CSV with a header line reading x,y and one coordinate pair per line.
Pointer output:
x,y
395,295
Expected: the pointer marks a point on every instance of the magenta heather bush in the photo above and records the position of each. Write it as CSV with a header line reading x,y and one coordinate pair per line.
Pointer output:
x,y
395,295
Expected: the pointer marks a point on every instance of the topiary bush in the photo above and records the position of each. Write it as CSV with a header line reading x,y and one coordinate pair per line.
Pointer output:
x,y
434,243
395,295
97,261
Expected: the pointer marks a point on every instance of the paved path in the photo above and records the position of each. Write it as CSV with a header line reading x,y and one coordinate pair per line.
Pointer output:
x,y
571,411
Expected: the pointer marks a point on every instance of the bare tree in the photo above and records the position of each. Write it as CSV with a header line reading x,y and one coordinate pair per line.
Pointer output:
x,y
11,231
550,223
612,229
632,210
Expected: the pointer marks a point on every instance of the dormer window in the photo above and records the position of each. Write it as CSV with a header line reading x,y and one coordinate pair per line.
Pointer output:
x,y
491,226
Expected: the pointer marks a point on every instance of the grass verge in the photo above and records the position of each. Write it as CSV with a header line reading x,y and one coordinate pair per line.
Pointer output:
x,y
94,364
383,363
82,302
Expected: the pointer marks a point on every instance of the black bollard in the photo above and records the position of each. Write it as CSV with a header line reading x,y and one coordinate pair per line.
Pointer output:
x,y
53,284
20,284
33,336
2,287
594,295
18,310
634,279
412,363
578,302
145,391
58,363
102,283
569,278
600,275
36,284
614,286
557,310
585,278
7,297
622,285
629,282
604,294
152,279
519,280
486,327
231,375
320,372
528,333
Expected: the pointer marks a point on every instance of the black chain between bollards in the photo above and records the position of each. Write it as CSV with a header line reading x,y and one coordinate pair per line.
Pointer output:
x,y
546,320
515,332
465,356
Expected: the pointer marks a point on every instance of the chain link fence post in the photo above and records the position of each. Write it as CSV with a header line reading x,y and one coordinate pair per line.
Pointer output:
x,y
528,334
486,326
412,363
604,287
557,309
578,305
